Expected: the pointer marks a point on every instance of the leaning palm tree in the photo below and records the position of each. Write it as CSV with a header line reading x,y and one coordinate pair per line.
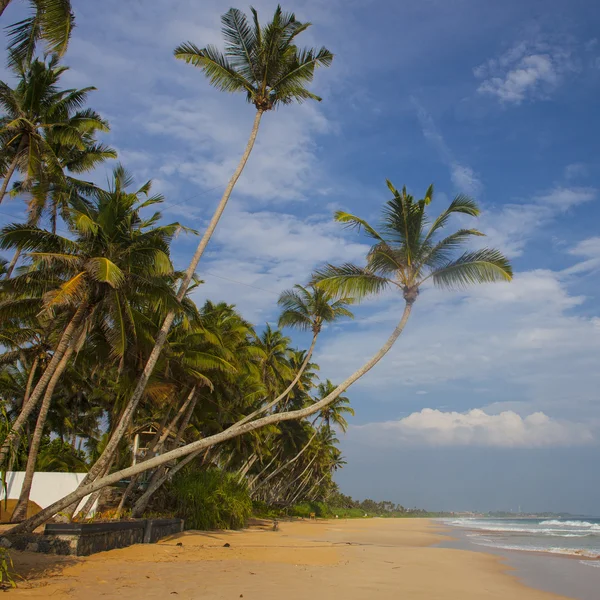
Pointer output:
x,y
117,266
265,64
50,20
407,253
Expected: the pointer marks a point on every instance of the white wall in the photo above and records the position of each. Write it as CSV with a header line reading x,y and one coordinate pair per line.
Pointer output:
x,y
46,488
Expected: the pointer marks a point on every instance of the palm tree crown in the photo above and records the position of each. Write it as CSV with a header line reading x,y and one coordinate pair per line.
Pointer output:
x,y
264,61
50,20
307,308
44,129
408,251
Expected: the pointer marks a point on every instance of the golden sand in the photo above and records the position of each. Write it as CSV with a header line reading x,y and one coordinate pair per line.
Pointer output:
x,y
350,560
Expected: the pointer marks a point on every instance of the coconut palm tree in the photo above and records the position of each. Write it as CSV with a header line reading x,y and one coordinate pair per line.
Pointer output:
x,y
116,268
408,252
50,20
334,413
264,63
40,122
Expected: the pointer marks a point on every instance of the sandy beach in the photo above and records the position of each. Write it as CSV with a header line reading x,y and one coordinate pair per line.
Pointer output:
x,y
375,558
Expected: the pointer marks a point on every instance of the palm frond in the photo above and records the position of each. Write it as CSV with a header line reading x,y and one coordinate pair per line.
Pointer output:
x,y
350,280
216,67
480,266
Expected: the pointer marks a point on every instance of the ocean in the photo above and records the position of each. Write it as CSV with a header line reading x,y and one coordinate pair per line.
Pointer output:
x,y
574,537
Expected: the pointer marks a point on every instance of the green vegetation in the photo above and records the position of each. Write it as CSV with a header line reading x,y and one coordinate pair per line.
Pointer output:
x,y
109,366
210,499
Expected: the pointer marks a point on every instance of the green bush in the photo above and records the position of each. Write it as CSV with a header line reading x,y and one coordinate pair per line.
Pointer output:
x,y
210,499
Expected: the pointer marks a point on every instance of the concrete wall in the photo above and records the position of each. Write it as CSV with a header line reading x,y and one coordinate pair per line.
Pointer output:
x,y
47,487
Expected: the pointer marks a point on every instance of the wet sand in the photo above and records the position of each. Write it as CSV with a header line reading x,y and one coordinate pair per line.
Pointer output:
x,y
353,560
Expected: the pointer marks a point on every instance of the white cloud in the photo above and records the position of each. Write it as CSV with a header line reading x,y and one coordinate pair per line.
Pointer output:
x,y
527,71
521,335
476,428
463,177
512,226
576,170
589,249
268,252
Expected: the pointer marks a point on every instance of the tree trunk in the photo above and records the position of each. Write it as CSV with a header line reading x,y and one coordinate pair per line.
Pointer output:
x,y
288,463
3,5
87,507
9,173
29,385
20,511
142,503
257,477
61,348
13,264
30,379
187,406
230,433
161,338
288,389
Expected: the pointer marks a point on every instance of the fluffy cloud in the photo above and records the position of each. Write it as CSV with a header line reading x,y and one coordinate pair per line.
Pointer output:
x,y
527,71
258,254
475,428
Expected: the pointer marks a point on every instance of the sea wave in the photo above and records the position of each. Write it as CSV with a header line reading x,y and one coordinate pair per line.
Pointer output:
x,y
576,524
553,550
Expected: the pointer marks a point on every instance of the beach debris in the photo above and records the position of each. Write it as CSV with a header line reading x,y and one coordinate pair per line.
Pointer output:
x,y
226,545
179,544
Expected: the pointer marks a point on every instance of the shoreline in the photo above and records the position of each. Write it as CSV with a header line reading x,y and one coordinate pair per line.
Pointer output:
x,y
353,559
561,573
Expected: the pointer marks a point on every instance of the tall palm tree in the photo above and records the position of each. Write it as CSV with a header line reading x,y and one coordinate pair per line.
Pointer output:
x,y
51,21
408,253
266,65
116,268
40,121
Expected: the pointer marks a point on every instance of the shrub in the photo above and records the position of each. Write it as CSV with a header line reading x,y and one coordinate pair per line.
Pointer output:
x,y
210,499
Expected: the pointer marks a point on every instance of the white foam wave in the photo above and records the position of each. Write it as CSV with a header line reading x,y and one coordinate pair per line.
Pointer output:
x,y
576,524
591,563
553,550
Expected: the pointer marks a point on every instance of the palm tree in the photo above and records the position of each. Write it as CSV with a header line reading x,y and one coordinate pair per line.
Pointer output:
x,y
265,64
51,21
40,122
408,253
334,412
115,269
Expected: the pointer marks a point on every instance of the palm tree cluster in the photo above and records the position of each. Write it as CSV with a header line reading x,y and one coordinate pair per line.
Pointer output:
x,y
108,365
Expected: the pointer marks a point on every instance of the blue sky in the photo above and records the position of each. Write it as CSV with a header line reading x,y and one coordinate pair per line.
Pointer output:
x,y
497,100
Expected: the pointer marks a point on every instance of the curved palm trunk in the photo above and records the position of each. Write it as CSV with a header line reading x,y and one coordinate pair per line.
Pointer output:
x,y
34,448
287,390
142,503
13,264
3,5
8,176
286,464
232,432
89,504
34,366
30,404
257,477
161,338
188,406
